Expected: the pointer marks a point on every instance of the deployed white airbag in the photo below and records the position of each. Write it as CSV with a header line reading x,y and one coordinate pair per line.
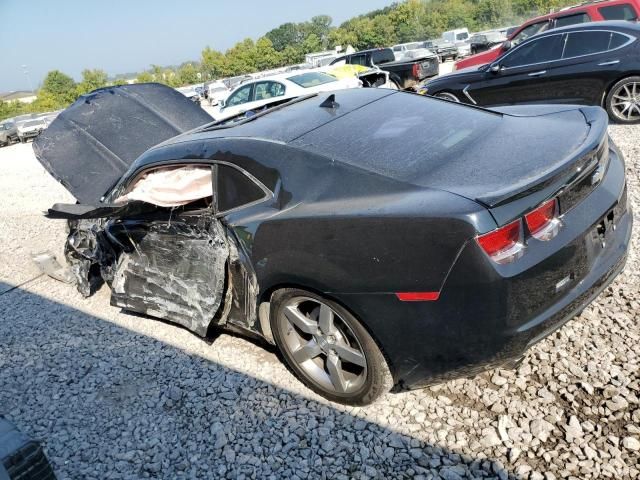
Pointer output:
x,y
171,187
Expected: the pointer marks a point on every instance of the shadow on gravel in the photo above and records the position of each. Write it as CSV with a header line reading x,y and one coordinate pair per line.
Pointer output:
x,y
111,403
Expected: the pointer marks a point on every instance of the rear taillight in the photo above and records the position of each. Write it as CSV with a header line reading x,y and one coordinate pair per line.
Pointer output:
x,y
416,70
505,244
543,222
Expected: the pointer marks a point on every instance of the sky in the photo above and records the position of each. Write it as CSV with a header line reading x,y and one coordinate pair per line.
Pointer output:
x,y
127,36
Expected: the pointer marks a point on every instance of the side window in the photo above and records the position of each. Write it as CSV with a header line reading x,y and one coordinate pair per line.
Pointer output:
x,y
591,42
572,19
235,189
529,31
359,60
239,97
541,50
397,48
266,90
618,12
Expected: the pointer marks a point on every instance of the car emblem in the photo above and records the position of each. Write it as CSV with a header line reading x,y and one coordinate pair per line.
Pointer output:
x,y
564,282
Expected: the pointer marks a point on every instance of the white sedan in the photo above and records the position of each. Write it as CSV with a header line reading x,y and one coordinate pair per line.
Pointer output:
x,y
259,92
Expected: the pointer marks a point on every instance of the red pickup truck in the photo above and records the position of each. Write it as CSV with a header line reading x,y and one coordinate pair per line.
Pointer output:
x,y
585,12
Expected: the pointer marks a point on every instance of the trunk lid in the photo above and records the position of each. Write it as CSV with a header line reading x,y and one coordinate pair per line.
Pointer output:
x,y
487,156
90,145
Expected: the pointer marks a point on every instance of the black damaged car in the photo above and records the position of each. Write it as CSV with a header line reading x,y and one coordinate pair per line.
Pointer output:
x,y
587,64
373,252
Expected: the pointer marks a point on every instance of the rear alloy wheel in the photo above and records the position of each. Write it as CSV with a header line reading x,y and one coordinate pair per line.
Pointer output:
x,y
623,101
447,96
393,85
327,348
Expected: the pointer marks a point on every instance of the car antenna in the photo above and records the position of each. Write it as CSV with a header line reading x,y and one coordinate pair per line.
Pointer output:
x,y
330,102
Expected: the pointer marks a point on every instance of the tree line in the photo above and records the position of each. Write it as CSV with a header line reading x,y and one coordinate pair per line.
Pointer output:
x,y
407,21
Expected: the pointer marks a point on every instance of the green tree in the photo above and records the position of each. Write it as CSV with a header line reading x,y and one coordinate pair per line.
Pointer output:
x,y
187,74
145,77
241,58
91,79
266,56
287,34
311,44
61,87
292,55
214,63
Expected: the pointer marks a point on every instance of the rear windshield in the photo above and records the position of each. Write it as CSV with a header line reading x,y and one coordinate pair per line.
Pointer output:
x,y
388,136
382,56
311,79
32,123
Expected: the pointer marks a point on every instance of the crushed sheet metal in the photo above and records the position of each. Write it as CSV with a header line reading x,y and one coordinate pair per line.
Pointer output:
x,y
176,272
89,254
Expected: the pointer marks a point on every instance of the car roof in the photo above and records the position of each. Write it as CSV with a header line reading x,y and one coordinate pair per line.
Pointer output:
x,y
369,50
609,25
573,9
282,76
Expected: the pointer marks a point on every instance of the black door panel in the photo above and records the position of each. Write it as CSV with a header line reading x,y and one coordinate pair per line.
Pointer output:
x,y
590,59
523,74
172,269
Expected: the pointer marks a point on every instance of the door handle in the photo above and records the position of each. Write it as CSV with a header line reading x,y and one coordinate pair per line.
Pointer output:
x,y
537,74
612,62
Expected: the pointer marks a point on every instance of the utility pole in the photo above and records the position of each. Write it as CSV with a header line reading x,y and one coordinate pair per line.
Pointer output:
x,y
26,74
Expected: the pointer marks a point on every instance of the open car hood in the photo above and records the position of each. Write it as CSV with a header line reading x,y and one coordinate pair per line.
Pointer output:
x,y
90,145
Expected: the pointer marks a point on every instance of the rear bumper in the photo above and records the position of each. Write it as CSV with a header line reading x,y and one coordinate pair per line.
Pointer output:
x,y
486,318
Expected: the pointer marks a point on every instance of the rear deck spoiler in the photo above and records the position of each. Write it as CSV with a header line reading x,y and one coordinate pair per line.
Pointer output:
x,y
597,120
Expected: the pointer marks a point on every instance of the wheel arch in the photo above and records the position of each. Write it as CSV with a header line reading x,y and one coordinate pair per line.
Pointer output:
x,y
265,307
605,94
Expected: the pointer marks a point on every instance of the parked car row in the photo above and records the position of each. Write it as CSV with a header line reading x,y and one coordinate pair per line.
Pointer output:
x,y
23,128
628,10
594,63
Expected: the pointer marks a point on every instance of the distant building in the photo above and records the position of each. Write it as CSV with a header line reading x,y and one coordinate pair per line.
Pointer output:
x,y
23,96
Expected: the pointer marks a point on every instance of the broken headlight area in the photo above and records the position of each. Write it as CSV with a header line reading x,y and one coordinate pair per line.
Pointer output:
x,y
89,254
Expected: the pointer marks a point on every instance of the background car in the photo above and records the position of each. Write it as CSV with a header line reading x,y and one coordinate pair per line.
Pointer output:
x,y
405,73
257,93
216,91
460,38
586,12
480,42
29,129
590,64
8,133
443,48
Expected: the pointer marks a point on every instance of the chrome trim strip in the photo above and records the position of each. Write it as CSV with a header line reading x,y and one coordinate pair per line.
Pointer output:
x,y
465,90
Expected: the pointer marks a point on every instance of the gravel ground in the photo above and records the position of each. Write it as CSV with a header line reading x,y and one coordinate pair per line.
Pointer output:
x,y
114,395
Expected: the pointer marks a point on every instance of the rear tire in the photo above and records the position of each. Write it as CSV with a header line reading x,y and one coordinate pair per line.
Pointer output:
x,y
447,96
623,101
393,85
327,348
